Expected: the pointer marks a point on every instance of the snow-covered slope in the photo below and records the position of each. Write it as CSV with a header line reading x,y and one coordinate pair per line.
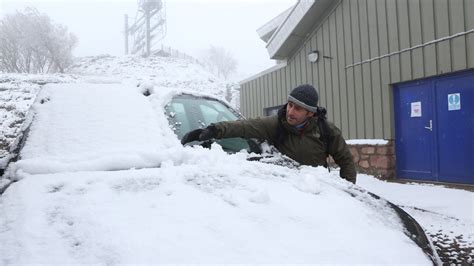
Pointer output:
x,y
155,70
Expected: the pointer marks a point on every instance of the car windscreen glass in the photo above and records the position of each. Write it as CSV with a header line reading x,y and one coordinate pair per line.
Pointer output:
x,y
187,112
216,112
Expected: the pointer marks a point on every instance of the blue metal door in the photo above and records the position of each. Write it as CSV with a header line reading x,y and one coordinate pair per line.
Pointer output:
x,y
436,143
414,139
455,130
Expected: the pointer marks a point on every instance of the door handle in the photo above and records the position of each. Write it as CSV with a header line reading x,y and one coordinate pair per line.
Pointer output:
x,y
430,128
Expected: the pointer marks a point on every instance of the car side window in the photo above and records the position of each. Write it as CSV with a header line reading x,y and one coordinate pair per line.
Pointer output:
x,y
187,112
179,119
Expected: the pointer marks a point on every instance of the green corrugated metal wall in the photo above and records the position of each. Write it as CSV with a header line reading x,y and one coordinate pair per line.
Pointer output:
x,y
359,98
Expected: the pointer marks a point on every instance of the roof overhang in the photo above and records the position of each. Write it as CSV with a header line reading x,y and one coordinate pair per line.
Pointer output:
x,y
266,31
303,17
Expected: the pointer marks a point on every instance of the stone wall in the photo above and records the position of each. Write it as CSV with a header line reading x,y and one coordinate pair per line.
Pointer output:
x,y
377,160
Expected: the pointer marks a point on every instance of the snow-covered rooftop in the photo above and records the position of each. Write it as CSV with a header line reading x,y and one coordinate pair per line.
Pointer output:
x,y
266,31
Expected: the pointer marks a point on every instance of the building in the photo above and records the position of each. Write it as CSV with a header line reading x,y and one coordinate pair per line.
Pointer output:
x,y
395,70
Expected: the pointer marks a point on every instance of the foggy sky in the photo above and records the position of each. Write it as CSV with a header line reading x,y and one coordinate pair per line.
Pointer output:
x,y
192,25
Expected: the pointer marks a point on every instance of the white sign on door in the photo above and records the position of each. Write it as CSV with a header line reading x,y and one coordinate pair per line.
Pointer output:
x,y
454,101
416,109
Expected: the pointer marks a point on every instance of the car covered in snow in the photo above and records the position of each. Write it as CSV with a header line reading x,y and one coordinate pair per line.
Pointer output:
x,y
102,177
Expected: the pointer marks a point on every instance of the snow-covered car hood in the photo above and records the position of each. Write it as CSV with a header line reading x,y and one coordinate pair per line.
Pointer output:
x,y
103,179
219,209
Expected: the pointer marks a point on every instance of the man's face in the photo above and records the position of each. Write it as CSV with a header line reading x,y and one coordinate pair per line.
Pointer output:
x,y
296,114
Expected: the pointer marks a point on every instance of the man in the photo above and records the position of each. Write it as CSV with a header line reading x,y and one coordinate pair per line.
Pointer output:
x,y
300,131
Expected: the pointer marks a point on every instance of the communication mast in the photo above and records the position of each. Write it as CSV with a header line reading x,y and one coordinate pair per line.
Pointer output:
x,y
149,27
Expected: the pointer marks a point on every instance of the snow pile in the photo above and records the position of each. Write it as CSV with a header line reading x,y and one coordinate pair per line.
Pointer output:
x,y
367,142
17,94
154,70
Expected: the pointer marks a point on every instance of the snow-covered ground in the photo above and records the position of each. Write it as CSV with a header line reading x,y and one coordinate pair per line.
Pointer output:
x,y
447,214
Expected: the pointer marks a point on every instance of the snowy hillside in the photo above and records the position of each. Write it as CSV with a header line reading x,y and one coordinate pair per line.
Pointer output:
x,y
155,70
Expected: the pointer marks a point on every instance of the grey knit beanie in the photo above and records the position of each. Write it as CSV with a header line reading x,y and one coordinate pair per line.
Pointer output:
x,y
305,96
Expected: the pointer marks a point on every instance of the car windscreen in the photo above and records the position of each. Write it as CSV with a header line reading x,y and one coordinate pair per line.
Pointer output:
x,y
188,112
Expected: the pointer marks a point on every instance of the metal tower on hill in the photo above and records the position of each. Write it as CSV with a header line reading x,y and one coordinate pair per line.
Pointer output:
x,y
149,27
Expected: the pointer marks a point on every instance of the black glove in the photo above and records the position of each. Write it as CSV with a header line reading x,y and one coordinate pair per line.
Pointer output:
x,y
207,133
191,136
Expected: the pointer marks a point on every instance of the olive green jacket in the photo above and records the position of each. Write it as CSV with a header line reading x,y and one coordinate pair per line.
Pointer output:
x,y
305,147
